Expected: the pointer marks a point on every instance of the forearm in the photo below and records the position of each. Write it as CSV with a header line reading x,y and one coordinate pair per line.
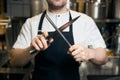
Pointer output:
x,y
20,57
98,55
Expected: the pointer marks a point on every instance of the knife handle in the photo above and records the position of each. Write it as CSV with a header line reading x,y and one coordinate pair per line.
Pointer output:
x,y
33,51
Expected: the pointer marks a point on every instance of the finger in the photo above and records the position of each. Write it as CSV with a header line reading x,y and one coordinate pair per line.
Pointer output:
x,y
82,56
72,48
50,41
76,48
45,34
43,42
78,55
34,44
77,51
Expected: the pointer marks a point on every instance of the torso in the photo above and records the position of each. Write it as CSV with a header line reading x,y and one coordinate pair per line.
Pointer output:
x,y
54,63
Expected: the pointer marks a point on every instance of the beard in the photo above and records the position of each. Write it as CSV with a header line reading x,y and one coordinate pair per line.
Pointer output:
x,y
55,6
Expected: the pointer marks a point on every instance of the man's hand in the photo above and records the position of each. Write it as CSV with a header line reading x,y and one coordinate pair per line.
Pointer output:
x,y
40,42
80,53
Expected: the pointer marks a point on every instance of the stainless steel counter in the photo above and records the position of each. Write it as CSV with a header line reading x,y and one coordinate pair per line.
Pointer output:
x,y
111,68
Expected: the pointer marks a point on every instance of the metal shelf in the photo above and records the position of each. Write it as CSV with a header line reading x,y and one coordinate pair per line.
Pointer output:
x,y
107,20
15,70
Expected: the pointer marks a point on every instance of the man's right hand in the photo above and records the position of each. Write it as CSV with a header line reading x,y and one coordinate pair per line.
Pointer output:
x,y
40,42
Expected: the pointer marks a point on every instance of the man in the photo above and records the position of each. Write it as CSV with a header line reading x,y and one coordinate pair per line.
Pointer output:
x,y
56,60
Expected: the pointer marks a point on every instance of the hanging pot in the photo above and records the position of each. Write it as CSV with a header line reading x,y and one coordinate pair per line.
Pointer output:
x,y
96,10
117,9
36,7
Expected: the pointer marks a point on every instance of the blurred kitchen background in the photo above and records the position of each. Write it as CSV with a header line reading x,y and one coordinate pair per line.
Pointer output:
x,y
106,14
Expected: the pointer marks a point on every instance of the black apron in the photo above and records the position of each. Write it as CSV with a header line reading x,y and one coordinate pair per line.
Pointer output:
x,y
54,63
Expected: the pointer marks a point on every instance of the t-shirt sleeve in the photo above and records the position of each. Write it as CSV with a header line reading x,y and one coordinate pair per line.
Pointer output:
x,y
94,36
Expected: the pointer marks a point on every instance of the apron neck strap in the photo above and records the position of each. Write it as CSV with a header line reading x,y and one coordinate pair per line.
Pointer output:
x,y
41,21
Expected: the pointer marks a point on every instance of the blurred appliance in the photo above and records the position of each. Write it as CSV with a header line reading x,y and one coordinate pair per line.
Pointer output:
x,y
81,6
117,9
38,6
74,5
96,8
3,26
18,8
2,36
118,41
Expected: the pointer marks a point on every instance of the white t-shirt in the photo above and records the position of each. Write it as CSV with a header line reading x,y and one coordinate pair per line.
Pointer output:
x,y
85,31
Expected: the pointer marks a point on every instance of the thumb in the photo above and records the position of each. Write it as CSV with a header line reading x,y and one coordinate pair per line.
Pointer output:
x,y
45,34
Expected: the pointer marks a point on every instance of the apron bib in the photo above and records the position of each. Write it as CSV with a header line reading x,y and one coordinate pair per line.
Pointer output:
x,y
54,63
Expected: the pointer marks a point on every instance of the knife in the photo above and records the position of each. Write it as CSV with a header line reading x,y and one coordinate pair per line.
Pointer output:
x,y
56,32
64,26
